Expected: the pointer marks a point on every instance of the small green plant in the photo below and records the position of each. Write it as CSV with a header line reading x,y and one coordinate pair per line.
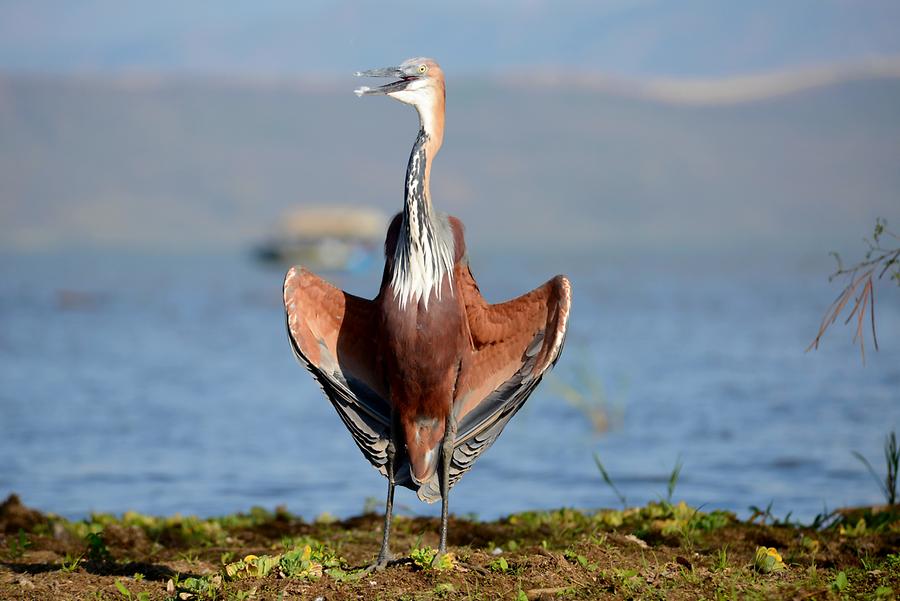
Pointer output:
x,y
97,550
812,576
765,516
581,560
199,587
304,563
673,480
888,486
865,561
858,530
252,566
768,560
810,545
422,556
499,565
839,583
823,519
17,546
444,588
688,529
608,480
426,558
123,590
188,557
300,563
721,559
70,563
242,595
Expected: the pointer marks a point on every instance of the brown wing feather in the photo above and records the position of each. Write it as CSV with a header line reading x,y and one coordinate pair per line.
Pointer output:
x,y
332,334
526,332
513,345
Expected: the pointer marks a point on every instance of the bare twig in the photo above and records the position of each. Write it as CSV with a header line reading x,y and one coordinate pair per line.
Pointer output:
x,y
861,287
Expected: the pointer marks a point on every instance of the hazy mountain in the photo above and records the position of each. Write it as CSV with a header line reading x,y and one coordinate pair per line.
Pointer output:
x,y
568,162
696,38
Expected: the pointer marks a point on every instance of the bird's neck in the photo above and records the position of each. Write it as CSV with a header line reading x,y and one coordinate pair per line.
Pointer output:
x,y
417,210
424,251
431,109
417,199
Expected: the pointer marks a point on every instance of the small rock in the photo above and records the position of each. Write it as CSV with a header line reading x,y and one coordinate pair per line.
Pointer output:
x,y
639,542
59,531
497,551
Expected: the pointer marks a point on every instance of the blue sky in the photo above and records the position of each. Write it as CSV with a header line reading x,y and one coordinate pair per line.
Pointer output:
x,y
637,38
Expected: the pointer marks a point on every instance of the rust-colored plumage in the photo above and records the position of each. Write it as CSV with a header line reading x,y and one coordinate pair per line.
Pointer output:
x,y
425,375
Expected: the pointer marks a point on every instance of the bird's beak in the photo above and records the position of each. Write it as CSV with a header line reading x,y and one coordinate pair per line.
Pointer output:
x,y
395,86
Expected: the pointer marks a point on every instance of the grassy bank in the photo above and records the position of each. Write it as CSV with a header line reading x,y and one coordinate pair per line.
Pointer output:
x,y
660,551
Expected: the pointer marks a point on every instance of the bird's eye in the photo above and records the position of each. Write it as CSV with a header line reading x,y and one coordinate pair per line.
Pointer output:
x,y
423,68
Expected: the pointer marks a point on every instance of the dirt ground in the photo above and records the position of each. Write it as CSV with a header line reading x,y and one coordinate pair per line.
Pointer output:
x,y
661,551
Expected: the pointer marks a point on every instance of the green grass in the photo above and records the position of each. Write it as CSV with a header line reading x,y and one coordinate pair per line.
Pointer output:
x,y
16,547
888,484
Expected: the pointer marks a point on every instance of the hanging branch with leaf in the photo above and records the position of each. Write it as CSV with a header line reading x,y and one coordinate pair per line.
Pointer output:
x,y
882,258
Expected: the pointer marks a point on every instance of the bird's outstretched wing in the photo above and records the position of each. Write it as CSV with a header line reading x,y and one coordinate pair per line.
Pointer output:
x,y
514,344
331,333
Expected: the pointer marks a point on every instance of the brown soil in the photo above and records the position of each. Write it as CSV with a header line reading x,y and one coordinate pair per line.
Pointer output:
x,y
641,554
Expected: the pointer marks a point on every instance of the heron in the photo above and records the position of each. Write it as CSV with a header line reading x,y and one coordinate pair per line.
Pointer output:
x,y
426,375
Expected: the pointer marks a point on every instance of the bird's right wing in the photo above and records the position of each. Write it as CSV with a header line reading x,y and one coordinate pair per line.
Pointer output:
x,y
513,345
331,333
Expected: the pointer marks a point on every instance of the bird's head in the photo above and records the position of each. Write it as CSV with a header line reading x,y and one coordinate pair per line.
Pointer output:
x,y
419,82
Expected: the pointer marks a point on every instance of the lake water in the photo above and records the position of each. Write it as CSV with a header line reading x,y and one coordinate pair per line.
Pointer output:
x,y
166,384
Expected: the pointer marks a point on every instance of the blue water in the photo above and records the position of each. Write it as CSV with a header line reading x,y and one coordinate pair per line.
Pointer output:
x,y
166,384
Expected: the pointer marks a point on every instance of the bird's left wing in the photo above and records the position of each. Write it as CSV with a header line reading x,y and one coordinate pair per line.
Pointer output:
x,y
332,335
513,345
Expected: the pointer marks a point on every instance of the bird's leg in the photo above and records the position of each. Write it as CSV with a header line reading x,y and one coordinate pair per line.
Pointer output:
x,y
385,556
446,455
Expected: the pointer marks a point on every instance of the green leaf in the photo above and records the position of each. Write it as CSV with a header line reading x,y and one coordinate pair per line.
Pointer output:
x,y
673,479
608,480
840,582
125,592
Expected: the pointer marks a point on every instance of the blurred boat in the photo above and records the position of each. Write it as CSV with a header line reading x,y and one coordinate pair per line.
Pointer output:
x,y
326,238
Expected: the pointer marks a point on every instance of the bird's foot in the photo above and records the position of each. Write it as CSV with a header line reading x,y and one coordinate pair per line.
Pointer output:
x,y
385,558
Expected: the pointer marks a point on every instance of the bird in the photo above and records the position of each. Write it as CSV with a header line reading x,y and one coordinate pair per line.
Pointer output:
x,y
426,375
